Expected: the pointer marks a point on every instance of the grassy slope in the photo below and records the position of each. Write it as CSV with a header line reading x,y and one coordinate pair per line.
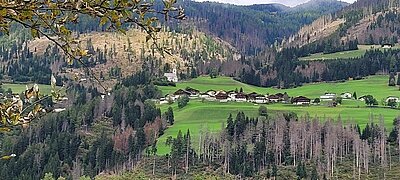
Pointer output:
x,y
374,85
199,116
18,88
344,54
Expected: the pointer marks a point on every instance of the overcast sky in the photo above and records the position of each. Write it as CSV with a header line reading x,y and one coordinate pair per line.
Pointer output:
x,y
249,2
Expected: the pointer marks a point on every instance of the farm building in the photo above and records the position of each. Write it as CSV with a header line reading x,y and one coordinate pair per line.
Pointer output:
x,y
260,99
163,101
328,97
392,98
252,96
170,97
172,77
346,95
362,98
192,90
204,95
232,95
221,96
194,93
301,100
181,92
240,97
273,98
387,46
280,95
211,92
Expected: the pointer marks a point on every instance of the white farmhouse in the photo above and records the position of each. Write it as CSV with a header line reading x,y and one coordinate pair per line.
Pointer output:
x,y
346,95
204,95
172,77
393,98
328,97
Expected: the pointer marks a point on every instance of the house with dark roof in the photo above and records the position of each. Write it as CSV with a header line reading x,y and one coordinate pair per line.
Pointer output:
x,y
252,96
194,93
181,92
280,95
273,98
240,97
221,96
301,100
192,90
211,92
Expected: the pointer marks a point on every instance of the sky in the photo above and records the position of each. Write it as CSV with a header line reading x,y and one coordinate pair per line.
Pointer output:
x,y
249,2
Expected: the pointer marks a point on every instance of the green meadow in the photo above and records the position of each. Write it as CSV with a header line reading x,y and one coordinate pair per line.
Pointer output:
x,y
19,88
374,85
200,117
362,49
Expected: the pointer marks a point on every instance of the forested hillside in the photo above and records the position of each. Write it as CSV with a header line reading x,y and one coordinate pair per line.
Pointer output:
x,y
95,135
366,21
113,55
251,29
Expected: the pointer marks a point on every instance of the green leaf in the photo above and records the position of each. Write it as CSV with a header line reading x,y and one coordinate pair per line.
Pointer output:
x,y
103,21
84,52
5,129
34,33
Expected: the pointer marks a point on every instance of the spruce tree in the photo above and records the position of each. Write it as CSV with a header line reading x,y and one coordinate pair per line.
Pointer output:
x,y
314,174
274,171
398,79
392,79
170,116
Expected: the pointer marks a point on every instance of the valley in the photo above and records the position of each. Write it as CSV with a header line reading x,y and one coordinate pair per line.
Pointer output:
x,y
185,89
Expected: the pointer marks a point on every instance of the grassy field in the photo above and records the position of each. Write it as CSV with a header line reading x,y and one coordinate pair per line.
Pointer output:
x,y
18,88
374,85
201,116
344,54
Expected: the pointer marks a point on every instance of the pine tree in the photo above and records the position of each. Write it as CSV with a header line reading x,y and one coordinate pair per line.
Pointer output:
x,y
398,79
392,79
301,171
170,116
314,174
274,171
230,127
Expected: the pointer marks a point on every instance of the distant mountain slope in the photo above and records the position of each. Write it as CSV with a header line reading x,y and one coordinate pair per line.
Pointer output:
x,y
116,55
323,6
269,7
365,21
252,28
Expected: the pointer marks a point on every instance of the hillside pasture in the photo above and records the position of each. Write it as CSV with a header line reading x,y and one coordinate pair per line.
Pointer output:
x,y
200,117
374,85
362,49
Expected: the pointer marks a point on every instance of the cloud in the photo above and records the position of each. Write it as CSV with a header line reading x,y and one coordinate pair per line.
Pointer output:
x,y
249,2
